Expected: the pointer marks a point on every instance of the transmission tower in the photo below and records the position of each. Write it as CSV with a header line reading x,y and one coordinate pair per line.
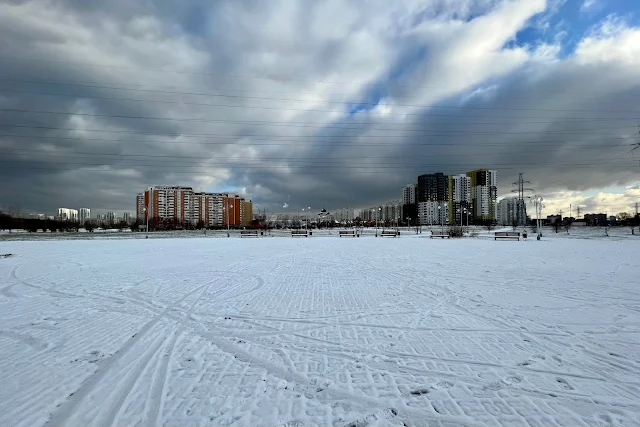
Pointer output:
x,y
521,214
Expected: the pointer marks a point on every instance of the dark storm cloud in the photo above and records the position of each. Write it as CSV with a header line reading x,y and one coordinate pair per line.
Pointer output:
x,y
290,74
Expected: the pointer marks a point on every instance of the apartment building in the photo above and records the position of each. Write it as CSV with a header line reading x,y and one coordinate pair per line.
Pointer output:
x,y
433,213
165,202
247,213
188,207
84,214
207,207
232,207
484,195
459,190
66,214
409,194
509,211
432,187
111,217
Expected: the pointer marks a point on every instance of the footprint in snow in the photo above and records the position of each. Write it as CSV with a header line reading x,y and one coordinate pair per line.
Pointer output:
x,y
367,420
564,384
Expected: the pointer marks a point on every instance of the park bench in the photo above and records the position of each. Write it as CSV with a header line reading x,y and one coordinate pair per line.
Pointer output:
x,y
389,233
506,235
249,233
299,233
440,234
347,233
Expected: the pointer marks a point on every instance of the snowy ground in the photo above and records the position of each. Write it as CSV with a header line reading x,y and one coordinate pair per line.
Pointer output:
x,y
320,332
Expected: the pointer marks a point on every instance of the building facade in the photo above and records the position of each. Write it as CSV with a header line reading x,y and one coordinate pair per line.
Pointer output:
x,y
433,213
512,210
66,214
84,214
432,188
186,207
247,213
484,195
409,194
459,190
207,209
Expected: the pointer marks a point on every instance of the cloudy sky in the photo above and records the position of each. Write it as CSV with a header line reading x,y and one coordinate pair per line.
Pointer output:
x,y
317,103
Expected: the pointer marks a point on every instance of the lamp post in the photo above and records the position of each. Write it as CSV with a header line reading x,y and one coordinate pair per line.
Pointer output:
x,y
377,217
228,220
440,216
146,233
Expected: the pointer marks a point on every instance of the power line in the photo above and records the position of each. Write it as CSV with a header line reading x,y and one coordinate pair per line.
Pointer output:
x,y
286,142
245,106
341,102
320,172
236,136
74,153
338,163
128,86
286,124
228,75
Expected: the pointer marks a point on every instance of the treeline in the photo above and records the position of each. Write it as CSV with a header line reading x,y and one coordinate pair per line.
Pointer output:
x,y
8,222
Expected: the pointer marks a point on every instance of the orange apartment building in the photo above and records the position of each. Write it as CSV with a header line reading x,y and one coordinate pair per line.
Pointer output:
x,y
189,207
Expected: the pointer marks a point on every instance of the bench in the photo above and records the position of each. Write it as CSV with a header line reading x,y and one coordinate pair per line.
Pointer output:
x,y
249,233
506,235
299,233
389,233
348,233
440,234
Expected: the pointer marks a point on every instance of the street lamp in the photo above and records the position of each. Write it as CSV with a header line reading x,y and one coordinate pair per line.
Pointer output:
x,y
378,216
146,235
228,220
440,216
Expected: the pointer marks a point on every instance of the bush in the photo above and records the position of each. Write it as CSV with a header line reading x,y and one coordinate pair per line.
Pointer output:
x,y
456,231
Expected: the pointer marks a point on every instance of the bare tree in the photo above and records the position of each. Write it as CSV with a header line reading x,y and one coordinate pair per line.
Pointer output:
x,y
623,217
490,224
90,225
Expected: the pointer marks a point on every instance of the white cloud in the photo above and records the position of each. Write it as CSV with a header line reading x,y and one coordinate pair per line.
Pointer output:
x,y
588,4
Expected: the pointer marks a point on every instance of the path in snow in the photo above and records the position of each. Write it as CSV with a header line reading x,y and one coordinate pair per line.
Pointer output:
x,y
319,332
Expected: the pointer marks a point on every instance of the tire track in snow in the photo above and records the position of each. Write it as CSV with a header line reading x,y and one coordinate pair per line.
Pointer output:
x,y
123,389
60,417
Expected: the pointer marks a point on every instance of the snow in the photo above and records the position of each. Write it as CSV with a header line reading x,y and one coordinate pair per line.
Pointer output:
x,y
319,332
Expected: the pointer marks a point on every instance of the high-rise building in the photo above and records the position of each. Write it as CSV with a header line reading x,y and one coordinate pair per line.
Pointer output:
x,y
207,207
392,211
433,213
432,187
186,207
409,194
111,217
484,194
165,202
459,199
247,213
127,217
508,211
66,214
231,210
84,214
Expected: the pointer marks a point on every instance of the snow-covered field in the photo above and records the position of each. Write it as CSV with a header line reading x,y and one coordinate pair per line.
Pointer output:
x,y
320,332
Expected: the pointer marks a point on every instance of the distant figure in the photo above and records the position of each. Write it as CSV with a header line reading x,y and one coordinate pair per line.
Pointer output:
x,y
524,235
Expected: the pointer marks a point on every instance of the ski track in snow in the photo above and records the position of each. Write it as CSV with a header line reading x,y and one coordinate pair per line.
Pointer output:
x,y
319,332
